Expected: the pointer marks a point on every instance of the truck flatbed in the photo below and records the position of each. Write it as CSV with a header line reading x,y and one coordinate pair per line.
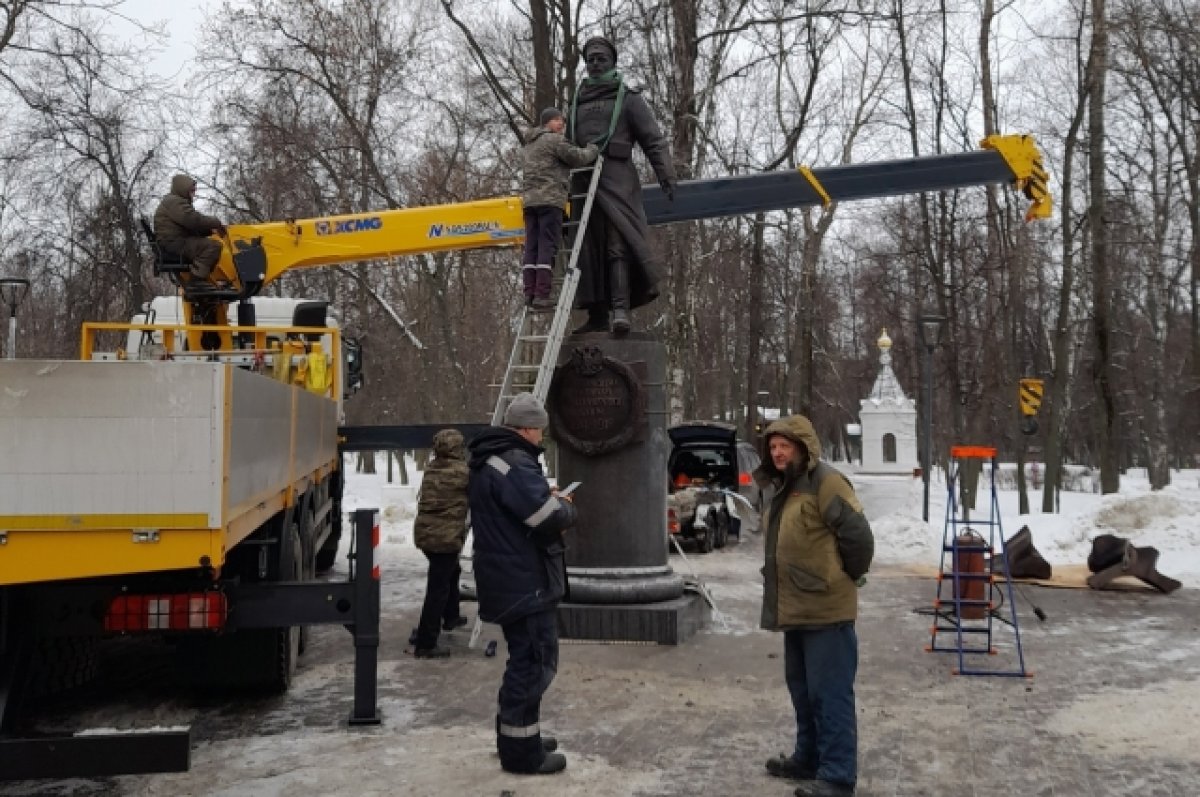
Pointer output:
x,y
147,466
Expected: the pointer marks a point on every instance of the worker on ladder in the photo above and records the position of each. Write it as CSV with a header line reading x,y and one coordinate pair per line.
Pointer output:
x,y
619,271
546,163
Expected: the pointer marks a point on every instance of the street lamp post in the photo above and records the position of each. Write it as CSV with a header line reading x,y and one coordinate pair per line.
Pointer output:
x,y
12,293
930,329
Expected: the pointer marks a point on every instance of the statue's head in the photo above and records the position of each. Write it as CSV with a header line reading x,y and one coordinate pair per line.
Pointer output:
x,y
599,55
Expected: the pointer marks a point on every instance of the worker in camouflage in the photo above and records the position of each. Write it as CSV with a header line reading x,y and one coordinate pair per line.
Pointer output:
x,y
546,163
440,531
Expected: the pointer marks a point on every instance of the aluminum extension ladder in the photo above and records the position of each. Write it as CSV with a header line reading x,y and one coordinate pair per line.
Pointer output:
x,y
969,602
530,370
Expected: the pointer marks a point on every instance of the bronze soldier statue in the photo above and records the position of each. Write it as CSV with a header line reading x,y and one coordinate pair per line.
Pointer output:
x,y
618,271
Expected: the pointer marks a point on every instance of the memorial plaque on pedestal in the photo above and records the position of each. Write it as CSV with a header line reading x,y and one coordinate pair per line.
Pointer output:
x,y
597,403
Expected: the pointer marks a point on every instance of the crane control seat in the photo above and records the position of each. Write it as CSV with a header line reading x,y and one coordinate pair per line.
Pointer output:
x,y
173,266
164,262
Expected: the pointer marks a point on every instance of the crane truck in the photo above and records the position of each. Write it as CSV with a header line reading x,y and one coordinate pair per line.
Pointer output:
x,y
184,480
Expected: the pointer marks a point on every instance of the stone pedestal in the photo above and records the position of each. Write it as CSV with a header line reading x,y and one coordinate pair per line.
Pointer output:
x,y
608,418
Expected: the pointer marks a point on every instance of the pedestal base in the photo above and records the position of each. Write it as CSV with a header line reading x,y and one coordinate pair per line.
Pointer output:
x,y
665,622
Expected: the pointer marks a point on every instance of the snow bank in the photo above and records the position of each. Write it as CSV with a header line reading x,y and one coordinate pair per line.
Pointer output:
x,y
1165,519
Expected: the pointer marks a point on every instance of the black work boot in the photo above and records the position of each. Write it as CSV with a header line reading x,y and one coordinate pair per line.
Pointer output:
x,y
619,284
552,764
597,321
824,788
785,766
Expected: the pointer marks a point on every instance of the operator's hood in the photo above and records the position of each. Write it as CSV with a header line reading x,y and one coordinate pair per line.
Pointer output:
x,y
182,185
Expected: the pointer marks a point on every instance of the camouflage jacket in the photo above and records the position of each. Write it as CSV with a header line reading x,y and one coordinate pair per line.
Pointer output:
x,y
441,524
546,164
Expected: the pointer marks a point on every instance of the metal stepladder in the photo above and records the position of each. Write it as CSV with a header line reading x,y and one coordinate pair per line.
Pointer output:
x,y
537,344
971,564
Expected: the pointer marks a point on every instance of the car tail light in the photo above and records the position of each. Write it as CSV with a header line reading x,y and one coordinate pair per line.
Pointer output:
x,y
744,479
182,611
672,522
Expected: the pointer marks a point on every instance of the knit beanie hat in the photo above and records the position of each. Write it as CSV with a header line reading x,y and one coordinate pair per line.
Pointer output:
x,y
525,412
549,114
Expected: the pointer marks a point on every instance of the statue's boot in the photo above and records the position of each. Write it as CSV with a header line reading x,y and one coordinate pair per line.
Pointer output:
x,y
597,321
618,283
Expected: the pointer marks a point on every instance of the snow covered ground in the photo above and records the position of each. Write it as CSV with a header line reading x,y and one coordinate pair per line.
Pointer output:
x,y
432,743
1167,519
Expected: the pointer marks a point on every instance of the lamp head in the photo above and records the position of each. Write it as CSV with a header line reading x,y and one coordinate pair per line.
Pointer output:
x,y
930,329
13,291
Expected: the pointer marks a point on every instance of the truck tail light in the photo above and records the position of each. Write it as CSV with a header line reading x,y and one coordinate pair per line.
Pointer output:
x,y
744,479
181,611
672,522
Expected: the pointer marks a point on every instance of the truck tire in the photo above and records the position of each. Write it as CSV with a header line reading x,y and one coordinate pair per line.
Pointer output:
x,y
257,660
59,664
327,556
308,568
280,667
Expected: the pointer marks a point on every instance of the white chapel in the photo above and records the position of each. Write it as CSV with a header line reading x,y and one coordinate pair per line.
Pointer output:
x,y
889,421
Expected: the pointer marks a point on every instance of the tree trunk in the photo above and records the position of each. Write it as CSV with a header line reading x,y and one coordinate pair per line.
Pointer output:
x,y
754,324
1102,377
544,90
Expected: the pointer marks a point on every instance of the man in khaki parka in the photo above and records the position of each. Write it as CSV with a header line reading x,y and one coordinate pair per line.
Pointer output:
x,y
818,544
546,163
183,231
440,531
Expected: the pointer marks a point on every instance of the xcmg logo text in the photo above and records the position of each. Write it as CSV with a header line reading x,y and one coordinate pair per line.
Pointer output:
x,y
330,227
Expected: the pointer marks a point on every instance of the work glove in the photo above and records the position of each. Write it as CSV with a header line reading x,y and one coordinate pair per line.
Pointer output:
x,y
668,188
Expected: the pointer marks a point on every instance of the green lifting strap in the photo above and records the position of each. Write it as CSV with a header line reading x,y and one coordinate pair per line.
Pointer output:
x,y
607,77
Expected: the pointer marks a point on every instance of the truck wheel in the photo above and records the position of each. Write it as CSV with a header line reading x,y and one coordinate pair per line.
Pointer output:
x,y
290,639
260,660
307,558
706,538
60,664
327,556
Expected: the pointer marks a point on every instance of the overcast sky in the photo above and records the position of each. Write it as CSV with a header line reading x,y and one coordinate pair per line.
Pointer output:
x,y
182,23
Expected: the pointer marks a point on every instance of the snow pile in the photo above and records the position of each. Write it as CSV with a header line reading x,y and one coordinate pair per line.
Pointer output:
x,y
1165,519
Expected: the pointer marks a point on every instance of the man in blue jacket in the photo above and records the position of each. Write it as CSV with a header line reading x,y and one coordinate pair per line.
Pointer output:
x,y
520,575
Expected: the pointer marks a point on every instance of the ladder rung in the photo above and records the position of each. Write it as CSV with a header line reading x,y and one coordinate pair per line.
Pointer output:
x,y
534,338
955,629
